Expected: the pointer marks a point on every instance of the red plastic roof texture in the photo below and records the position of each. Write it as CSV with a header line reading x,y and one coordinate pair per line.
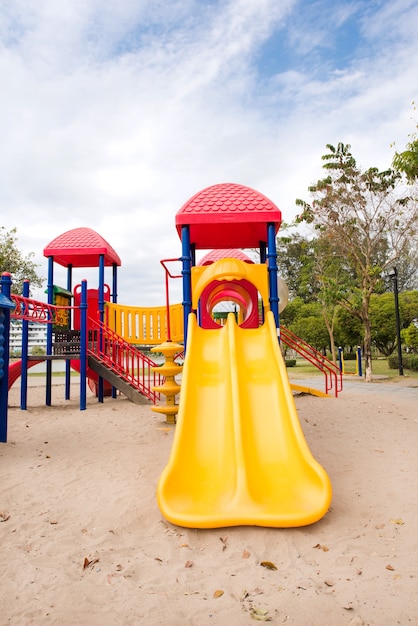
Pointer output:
x,y
228,216
215,255
81,247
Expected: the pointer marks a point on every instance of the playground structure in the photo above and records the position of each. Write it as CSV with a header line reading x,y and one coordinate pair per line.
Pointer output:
x,y
239,455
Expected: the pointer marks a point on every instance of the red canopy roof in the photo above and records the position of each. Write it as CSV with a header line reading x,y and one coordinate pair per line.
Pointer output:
x,y
215,255
81,247
228,216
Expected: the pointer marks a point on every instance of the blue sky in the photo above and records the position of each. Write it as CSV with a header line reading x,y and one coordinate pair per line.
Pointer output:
x,y
114,113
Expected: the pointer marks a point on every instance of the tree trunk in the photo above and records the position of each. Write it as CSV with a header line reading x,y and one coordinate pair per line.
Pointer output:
x,y
368,377
330,329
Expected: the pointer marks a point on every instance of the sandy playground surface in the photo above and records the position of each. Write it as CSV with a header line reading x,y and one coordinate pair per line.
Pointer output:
x,y
83,541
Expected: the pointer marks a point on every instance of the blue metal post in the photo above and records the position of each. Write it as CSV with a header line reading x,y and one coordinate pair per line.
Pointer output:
x,y
263,252
340,359
114,283
114,299
83,345
6,304
272,270
187,278
48,399
100,382
25,354
359,363
70,317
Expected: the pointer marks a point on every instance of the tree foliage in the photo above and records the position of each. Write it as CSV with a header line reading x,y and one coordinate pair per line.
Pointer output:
x,y
406,162
364,225
12,260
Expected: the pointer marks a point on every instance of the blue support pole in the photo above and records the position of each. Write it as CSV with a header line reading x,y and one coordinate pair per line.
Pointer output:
x,y
187,278
70,317
6,305
48,399
359,364
263,252
100,382
25,354
340,359
114,300
272,273
114,283
83,346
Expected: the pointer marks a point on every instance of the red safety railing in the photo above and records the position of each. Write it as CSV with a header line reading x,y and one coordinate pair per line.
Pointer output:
x,y
333,376
124,359
37,311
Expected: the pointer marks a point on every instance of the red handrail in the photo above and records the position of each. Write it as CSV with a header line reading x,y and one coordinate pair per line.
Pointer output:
x,y
333,376
124,359
36,311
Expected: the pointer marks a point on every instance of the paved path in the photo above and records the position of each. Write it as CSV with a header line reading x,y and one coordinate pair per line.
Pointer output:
x,y
407,388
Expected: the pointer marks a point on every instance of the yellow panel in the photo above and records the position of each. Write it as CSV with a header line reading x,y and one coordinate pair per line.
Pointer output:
x,y
229,269
145,325
239,456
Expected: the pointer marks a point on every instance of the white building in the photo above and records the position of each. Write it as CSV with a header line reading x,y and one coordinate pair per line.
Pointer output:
x,y
36,339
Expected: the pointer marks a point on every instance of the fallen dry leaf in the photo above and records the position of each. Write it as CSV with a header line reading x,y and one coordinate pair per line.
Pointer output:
x,y
224,540
329,583
397,521
218,593
390,568
319,546
89,562
245,554
268,565
260,615
188,564
4,516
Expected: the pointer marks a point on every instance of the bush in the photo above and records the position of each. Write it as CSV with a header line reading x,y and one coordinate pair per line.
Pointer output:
x,y
413,362
409,362
290,362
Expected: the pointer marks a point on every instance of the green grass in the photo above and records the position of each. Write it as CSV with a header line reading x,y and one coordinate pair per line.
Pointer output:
x,y
380,367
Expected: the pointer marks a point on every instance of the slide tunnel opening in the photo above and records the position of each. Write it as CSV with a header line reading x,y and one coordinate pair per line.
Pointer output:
x,y
223,296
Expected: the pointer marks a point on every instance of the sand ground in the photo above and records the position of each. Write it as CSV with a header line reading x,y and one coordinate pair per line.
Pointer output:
x,y
84,543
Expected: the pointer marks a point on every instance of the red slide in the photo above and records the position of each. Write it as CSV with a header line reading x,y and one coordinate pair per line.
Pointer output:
x,y
15,370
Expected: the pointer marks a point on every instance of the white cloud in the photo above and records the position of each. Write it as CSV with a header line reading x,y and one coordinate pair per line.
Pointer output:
x,y
113,114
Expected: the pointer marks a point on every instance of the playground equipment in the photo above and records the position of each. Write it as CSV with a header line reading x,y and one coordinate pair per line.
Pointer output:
x,y
169,388
358,369
239,455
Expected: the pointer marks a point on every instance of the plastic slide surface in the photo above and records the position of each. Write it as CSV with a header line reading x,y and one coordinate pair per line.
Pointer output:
x,y
239,456
15,370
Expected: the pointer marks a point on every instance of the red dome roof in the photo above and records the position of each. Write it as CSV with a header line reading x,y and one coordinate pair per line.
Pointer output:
x,y
215,255
81,247
228,216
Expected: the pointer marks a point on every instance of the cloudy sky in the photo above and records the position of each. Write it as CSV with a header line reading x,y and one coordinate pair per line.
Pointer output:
x,y
114,113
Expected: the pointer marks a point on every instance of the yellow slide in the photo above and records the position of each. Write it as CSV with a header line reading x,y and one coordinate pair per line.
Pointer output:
x,y
239,456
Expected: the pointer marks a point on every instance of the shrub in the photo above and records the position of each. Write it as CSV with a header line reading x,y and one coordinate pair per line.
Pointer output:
x,y
290,362
409,362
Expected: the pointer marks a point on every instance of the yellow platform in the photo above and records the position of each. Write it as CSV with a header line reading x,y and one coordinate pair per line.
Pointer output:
x,y
239,456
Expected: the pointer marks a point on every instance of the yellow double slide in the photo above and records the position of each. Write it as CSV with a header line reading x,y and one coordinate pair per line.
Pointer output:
x,y
239,456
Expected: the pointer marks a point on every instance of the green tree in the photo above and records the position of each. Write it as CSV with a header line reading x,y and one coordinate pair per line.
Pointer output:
x,y
306,321
12,260
295,263
368,226
406,161
410,337
382,315
348,330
